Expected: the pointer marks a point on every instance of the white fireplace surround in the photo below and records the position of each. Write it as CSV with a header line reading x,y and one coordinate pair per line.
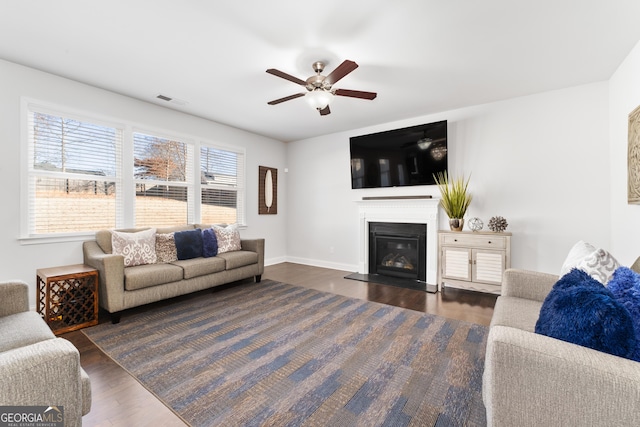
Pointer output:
x,y
400,210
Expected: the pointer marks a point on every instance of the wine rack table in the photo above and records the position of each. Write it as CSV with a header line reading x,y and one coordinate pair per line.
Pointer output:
x,y
68,297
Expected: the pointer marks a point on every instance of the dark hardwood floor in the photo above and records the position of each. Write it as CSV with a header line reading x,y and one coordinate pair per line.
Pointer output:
x,y
119,400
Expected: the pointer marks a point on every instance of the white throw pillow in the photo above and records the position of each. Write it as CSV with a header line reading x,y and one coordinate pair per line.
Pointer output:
x,y
136,248
228,238
600,265
596,262
578,252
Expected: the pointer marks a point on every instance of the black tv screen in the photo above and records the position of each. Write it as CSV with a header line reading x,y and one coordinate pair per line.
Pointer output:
x,y
401,157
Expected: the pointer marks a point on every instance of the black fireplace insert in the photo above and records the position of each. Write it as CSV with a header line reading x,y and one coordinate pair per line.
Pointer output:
x,y
398,250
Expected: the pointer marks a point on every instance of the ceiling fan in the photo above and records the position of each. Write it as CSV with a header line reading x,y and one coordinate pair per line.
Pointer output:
x,y
320,88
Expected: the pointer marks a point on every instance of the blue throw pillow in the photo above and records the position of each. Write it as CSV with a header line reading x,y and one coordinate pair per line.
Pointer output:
x,y
625,287
209,243
580,310
188,243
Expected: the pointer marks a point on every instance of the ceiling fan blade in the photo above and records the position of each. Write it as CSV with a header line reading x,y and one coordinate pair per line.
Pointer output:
x,y
324,111
343,69
286,76
355,93
286,98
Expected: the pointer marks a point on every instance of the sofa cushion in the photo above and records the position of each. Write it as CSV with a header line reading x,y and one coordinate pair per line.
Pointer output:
x,y
175,228
188,244
228,238
237,259
22,329
136,248
625,287
197,267
103,239
209,243
581,311
144,276
517,313
166,248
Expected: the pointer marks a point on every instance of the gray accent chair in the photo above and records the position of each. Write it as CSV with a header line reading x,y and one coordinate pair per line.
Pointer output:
x,y
36,368
534,380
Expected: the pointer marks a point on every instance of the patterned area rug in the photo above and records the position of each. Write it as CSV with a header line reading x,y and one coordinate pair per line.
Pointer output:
x,y
272,354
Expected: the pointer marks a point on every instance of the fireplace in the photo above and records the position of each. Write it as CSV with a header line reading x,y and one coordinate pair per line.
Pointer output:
x,y
398,250
418,217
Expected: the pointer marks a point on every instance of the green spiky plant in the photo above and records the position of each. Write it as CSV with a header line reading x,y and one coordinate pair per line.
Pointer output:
x,y
455,197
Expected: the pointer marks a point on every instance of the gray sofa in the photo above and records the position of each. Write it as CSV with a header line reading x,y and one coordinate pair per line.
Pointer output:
x,y
123,288
534,380
36,368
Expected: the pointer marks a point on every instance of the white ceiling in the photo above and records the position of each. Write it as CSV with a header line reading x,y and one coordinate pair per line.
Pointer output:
x,y
420,56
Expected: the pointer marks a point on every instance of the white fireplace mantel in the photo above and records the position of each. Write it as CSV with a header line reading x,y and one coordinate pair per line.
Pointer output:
x,y
415,210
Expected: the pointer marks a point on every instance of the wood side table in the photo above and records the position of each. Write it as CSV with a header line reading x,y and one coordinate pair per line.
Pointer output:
x,y
68,297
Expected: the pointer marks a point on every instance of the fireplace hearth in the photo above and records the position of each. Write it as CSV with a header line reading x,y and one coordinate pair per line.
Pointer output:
x,y
397,255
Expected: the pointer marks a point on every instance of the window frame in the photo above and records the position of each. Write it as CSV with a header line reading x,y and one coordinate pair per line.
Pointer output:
x,y
189,182
125,179
28,107
241,179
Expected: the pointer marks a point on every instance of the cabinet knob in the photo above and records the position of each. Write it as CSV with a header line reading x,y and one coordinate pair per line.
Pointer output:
x,y
489,241
455,240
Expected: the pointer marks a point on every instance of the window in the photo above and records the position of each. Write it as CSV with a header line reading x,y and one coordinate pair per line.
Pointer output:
x,y
163,174
357,173
73,183
222,185
385,173
84,174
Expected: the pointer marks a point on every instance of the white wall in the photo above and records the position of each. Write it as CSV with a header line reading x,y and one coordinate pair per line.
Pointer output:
x,y
625,218
20,261
540,161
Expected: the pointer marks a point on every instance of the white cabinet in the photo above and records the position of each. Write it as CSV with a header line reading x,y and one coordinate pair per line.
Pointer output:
x,y
473,260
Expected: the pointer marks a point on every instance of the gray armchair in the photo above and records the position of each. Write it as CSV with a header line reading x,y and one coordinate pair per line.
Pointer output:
x,y
535,380
36,368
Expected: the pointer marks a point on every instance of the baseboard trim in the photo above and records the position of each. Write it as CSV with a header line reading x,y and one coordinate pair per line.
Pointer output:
x,y
274,261
323,264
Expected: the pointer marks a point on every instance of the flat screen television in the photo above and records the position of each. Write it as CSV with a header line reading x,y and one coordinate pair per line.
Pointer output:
x,y
400,157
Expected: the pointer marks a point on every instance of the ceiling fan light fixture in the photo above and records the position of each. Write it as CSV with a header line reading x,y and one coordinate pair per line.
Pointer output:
x,y
424,143
318,99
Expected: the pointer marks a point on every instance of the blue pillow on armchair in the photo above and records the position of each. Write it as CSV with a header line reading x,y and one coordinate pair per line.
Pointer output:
x,y
625,287
580,310
188,244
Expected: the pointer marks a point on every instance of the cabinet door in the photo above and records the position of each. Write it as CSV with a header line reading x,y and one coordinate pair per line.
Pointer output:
x,y
456,263
488,266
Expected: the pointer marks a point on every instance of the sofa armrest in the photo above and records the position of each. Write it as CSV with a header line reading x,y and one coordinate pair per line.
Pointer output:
x,y
46,373
257,246
14,297
535,380
527,284
111,275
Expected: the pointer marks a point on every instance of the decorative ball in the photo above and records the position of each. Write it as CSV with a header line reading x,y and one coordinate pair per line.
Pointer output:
x,y
476,224
497,224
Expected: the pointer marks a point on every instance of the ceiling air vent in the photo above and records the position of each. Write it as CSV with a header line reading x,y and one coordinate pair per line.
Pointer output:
x,y
171,100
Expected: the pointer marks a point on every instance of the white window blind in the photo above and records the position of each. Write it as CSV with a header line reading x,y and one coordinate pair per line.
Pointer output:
x,y
163,173
222,185
73,182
